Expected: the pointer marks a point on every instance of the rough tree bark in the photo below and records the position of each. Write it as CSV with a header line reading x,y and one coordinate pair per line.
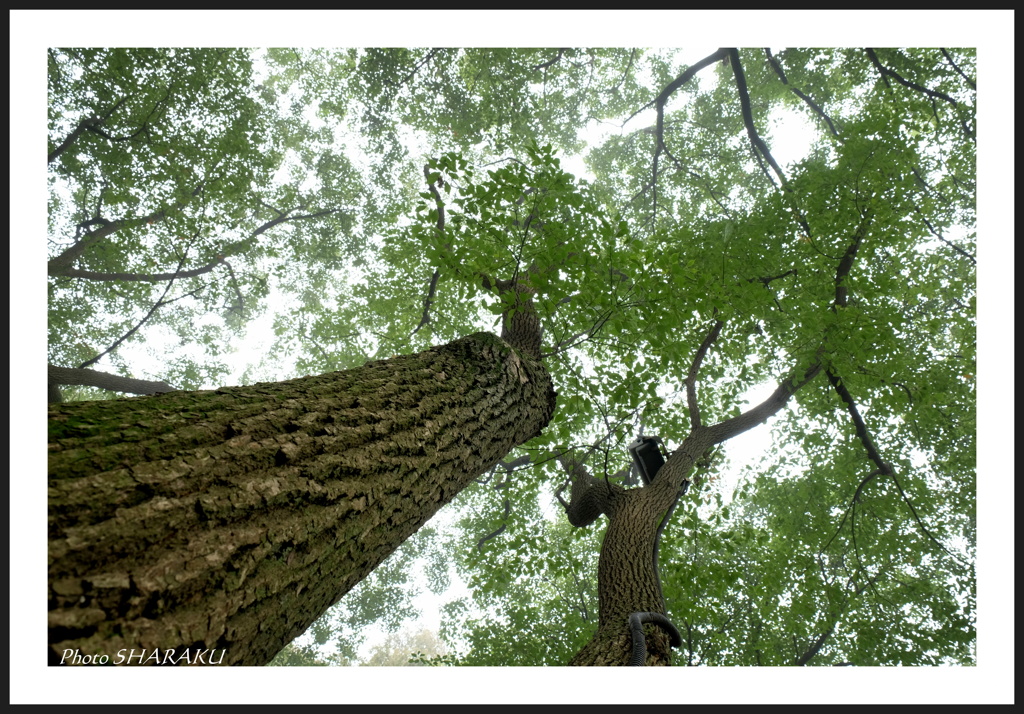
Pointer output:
x,y
232,519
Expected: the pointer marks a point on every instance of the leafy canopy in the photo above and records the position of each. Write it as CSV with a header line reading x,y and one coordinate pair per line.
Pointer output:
x,y
378,195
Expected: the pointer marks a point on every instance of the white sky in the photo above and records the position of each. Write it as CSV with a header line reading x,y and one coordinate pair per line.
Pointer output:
x,y
992,32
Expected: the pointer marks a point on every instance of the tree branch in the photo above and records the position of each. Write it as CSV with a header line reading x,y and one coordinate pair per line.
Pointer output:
x,y
142,277
727,429
884,468
682,79
561,51
858,423
816,647
579,337
886,72
807,100
79,130
846,262
694,175
957,68
91,123
588,497
659,103
65,376
428,301
691,377
437,199
415,69
748,117
939,235
159,303
625,73
285,218
499,531
239,303
58,265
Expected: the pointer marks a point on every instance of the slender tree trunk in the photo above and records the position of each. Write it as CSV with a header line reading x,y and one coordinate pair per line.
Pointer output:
x,y
627,579
232,519
627,572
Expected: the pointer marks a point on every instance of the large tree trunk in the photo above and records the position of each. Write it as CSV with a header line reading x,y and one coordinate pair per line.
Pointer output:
x,y
230,520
